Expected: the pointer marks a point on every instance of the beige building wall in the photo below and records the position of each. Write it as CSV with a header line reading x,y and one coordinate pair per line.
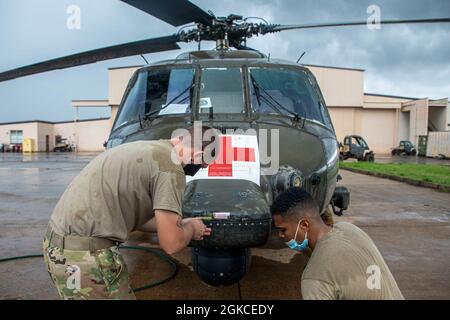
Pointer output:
x,y
118,80
403,125
343,119
30,130
401,119
379,129
340,87
377,126
66,130
114,110
374,117
418,116
448,116
44,130
383,102
86,135
92,134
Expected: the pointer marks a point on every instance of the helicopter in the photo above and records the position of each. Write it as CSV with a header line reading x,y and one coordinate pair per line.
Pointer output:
x,y
241,93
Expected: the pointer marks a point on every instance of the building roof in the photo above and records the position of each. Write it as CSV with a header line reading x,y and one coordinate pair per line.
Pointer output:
x,y
389,96
53,122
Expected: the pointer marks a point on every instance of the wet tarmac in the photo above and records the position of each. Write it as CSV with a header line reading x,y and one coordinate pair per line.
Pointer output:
x,y
387,158
409,224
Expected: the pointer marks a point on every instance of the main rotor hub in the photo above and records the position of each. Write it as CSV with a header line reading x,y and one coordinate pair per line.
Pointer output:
x,y
231,31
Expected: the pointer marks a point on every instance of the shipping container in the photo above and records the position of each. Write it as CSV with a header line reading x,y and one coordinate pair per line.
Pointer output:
x,y
438,144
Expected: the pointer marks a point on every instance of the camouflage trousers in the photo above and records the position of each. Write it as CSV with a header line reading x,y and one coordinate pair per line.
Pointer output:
x,y
80,275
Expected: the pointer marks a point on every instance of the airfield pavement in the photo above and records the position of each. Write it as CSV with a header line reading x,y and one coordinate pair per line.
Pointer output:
x,y
410,225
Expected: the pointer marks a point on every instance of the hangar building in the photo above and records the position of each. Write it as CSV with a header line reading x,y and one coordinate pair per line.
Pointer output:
x,y
383,120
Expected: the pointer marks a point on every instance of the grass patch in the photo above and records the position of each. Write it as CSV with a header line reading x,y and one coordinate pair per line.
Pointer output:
x,y
421,172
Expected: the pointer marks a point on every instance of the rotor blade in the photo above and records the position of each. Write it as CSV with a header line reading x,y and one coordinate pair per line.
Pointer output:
x,y
174,12
113,52
355,23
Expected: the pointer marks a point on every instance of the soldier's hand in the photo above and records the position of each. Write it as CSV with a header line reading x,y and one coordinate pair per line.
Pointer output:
x,y
200,229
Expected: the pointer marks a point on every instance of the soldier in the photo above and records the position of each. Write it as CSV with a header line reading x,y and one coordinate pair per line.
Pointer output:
x,y
132,186
344,264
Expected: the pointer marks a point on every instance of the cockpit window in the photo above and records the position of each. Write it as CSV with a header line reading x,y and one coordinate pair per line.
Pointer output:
x,y
285,91
221,91
158,92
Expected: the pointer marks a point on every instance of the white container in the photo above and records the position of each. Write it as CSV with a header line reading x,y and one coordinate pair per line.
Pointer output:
x,y
438,143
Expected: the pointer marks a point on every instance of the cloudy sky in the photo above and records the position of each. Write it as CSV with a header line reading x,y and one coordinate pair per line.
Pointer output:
x,y
406,60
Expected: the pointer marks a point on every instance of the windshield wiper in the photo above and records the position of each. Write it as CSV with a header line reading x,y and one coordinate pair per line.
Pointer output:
x,y
272,102
151,113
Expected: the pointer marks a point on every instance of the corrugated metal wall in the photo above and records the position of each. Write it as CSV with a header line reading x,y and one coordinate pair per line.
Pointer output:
x,y
438,143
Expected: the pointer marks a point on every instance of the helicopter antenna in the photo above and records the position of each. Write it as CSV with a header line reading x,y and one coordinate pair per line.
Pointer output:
x,y
144,58
301,56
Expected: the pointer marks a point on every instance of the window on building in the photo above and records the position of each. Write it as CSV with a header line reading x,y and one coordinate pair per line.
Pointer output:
x,y
16,136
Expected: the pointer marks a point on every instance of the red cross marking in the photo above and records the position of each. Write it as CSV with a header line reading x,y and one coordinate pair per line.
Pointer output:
x,y
223,166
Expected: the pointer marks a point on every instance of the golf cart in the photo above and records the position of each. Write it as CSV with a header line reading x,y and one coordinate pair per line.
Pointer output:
x,y
355,147
405,148
62,145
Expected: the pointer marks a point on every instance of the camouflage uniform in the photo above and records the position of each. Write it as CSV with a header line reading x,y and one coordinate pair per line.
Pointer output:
x,y
115,194
80,275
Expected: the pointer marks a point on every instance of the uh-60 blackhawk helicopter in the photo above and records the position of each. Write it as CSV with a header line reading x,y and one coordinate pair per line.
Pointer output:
x,y
230,87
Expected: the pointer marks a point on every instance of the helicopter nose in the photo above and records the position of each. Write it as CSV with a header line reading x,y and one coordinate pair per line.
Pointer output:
x,y
232,206
239,216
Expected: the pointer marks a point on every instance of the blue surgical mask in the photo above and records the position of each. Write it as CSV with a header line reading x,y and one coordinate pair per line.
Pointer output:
x,y
294,245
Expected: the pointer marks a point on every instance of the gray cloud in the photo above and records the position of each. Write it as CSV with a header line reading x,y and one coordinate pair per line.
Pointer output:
x,y
409,60
402,59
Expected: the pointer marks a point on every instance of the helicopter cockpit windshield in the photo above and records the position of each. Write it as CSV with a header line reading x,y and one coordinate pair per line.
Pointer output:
x,y
168,91
221,91
158,92
285,91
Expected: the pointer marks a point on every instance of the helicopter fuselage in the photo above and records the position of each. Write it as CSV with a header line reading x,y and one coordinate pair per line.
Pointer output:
x,y
238,93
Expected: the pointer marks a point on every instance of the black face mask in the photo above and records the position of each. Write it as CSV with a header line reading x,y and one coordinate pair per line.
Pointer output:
x,y
191,169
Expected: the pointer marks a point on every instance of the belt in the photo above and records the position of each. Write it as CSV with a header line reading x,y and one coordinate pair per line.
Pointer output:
x,y
79,243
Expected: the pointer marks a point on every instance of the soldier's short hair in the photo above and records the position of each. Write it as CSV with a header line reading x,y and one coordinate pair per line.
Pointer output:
x,y
295,201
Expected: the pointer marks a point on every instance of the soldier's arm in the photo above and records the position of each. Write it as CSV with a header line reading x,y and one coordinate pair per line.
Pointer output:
x,y
173,234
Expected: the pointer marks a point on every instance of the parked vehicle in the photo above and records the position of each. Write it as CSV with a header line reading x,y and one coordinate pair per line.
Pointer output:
x,y
405,147
355,147
62,146
5,148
